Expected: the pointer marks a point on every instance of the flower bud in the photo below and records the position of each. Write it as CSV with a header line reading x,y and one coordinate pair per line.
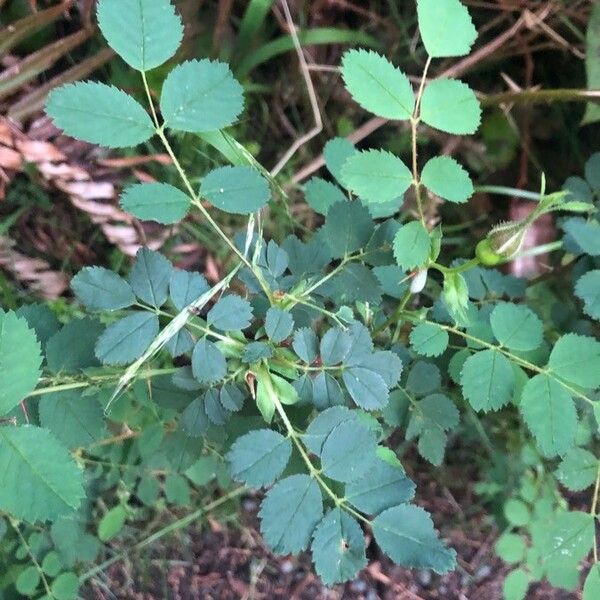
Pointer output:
x,y
506,239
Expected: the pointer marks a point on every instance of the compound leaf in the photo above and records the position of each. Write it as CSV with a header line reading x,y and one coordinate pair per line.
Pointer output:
x,y
230,313
238,190
208,363
450,106
127,339
588,289
376,176
429,339
290,512
348,451
76,420
576,359
100,289
150,277
144,33
201,95
577,470
488,380
20,360
259,457
338,547
99,114
406,534
158,202
412,245
446,27
381,487
446,178
39,481
550,414
279,324
377,85
517,327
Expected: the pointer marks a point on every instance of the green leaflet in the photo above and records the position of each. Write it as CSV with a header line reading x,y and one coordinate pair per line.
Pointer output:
x,y
381,487
446,178
515,585
72,348
41,319
99,114
144,33
76,420
430,420
348,228
39,481
230,313
576,359
100,289
511,548
127,339
201,95
406,534
591,588
326,392
487,380
338,547
586,234
517,327
321,195
239,190
306,345
290,512
335,346
111,523
376,176
412,245
451,106
336,152
348,451
588,289
20,360
194,419
185,287
577,470
324,423
150,277
208,362
429,339
259,457
446,27
65,586
366,387
377,85
550,414
279,324
155,202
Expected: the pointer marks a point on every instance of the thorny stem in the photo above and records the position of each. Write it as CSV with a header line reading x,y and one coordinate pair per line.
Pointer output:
x,y
414,124
594,510
15,525
196,201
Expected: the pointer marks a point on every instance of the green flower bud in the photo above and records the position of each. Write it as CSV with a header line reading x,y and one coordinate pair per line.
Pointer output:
x,y
506,239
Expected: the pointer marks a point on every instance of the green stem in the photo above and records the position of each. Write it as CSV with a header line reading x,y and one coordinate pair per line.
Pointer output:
x,y
594,510
265,377
474,262
176,525
15,525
